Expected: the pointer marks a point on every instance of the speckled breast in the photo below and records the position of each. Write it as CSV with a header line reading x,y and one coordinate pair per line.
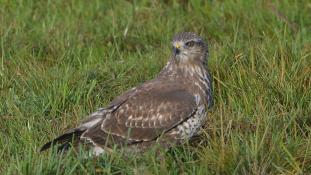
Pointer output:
x,y
191,126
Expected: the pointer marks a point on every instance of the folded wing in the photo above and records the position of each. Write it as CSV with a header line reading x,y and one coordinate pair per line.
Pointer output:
x,y
144,116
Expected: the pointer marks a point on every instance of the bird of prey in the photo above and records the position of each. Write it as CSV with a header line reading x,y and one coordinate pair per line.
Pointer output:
x,y
166,110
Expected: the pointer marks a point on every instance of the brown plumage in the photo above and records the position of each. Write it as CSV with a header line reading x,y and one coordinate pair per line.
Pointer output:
x,y
166,110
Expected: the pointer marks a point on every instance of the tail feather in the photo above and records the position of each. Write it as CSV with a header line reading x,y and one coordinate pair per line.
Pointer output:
x,y
72,137
64,140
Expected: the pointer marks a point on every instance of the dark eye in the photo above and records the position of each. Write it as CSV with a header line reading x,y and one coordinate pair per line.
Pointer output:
x,y
190,43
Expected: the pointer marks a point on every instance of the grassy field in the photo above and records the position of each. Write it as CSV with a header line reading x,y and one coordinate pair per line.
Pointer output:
x,y
61,60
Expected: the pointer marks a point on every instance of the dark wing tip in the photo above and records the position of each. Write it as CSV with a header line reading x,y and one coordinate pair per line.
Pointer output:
x,y
46,146
63,139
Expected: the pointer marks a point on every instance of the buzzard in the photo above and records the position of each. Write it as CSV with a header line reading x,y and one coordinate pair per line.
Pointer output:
x,y
166,110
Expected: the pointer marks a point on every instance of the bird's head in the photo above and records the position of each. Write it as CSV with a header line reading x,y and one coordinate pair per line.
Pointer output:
x,y
189,47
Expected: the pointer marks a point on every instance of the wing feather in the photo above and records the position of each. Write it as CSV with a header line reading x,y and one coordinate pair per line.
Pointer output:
x,y
143,114
148,115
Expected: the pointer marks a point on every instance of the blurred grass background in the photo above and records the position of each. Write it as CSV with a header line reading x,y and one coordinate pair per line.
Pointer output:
x,y
61,60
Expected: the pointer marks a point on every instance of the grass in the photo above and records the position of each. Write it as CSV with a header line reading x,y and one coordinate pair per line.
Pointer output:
x,y
61,60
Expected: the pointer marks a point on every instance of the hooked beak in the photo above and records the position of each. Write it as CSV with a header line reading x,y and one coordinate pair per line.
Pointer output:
x,y
176,49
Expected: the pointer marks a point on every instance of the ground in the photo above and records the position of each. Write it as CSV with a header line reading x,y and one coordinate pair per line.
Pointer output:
x,y
61,60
